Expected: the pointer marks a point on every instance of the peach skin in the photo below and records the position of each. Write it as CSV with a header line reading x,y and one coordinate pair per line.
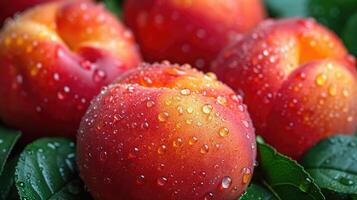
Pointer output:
x,y
186,31
169,132
54,58
297,79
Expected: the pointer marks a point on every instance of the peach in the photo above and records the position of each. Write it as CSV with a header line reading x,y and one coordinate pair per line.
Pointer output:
x,y
186,31
297,79
54,58
165,131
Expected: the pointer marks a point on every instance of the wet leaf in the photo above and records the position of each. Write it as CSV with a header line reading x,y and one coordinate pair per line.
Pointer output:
x,y
332,163
47,170
256,191
285,177
8,139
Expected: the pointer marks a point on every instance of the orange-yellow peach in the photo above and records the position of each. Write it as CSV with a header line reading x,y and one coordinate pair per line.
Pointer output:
x,y
165,131
53,59
297,79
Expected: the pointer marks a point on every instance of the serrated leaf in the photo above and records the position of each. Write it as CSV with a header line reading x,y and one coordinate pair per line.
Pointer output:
x,y
349,34
332,163
47,170
256,191
285,177
287,8
7,182
8,139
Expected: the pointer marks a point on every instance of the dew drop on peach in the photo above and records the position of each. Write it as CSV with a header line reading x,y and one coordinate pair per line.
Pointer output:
x,y
185,92
246,175
162,149
140,179
161,181
177,142
320,79
226,182
99,75
206,109
162,117
204,149
193,140
223,132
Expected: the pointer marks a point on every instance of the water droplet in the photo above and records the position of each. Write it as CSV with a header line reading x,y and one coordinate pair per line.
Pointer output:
x,y
223,132
168,102
226,182
134,153
162,117
177,142
222,100
193,140
349,118
140,179
345,93
21,184
209,196
103,156
204,149
99,75
345,181
190,110
245,123
162,149
332,90
60,95
160,167
19,79
150,104
321,79
66,89
206,109
247,173
179,109
161,181
85,64
56,77
185,92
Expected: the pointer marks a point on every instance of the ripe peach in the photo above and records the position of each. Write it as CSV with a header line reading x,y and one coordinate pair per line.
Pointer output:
x,y
189,31
298,81
165,131
54,59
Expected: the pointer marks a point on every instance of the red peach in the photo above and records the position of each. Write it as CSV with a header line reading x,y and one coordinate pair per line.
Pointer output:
x,y
169,132
189,31
293,113
54,59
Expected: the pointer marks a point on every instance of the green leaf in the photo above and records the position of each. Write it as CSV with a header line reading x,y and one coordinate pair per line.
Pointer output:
x,y
8,139
349,34
285,177
47,170
332,13
256,191
333,164
7,182
115,6
287,8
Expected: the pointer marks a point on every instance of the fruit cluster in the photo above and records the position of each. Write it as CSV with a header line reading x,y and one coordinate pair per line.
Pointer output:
x,y
148,128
